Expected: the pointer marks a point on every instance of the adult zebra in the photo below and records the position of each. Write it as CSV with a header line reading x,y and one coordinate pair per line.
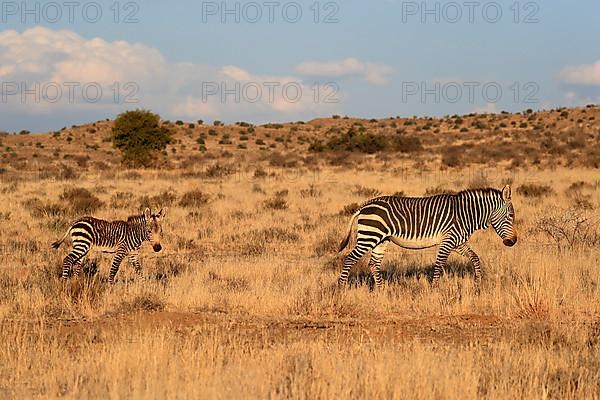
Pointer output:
x,y
447,220
121,237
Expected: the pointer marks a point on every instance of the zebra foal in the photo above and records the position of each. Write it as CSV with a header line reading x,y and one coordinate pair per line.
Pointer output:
x,y
122,237
447,220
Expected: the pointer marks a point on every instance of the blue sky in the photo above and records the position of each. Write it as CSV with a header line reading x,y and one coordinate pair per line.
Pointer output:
x,y
375,59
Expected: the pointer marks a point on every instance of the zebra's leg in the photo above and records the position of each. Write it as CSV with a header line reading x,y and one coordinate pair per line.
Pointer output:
x,y
375,262
134,259
440,261
80,249
466,251
116,263
77,265
361,248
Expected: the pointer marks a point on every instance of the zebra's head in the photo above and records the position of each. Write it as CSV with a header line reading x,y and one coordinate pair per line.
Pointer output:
x,y
502,219
154,227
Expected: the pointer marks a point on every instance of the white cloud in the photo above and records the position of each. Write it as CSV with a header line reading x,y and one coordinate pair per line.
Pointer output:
x,y
174,90
377,74
585,74
488,108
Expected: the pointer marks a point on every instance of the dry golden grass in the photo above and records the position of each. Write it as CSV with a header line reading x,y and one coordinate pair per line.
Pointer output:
x,y
242,301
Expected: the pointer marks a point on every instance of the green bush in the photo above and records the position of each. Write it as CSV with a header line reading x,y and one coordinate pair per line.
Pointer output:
x,y
140,137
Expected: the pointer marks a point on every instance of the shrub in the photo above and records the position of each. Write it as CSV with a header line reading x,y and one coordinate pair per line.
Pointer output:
x,y
218,170
408,144
311,191
349,209
121,200
365,191
278,201
432,191
81,200
140,137
534,190
163,199
569,229
451,156
38,209
352,141
145,302
272,234
194,198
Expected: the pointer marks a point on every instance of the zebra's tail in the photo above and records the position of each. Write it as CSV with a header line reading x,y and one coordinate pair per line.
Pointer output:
x,y
60,241
349,231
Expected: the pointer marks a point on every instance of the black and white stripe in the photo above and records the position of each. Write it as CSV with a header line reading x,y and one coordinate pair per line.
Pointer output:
x,y
121,237
447,220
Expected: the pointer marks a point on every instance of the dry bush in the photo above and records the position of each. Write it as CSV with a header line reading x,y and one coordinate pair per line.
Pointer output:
x,y
329,243
81,200
167,268
219,171
310,192
148,302
132,176
60,172
260,173
277,202
479,181
534,190
407,144
37,208
194,199
362,191
451,156
349,209
283,160
164,199
122,200
570,228
230,284
440,189
86,291
249,249
272,234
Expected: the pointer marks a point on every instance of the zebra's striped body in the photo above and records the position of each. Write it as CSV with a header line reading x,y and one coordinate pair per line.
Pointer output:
x,y
121,237
447,220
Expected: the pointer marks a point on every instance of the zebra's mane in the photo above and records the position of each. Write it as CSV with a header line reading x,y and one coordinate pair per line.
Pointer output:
x,y
480,191
136,218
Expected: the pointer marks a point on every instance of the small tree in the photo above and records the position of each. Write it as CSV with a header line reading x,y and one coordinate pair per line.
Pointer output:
x,y
140,137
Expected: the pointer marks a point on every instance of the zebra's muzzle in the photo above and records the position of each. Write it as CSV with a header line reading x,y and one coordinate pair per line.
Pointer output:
x,y
157,247
510,242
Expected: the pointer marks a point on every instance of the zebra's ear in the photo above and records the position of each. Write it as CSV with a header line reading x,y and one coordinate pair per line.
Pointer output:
x,y
162,213
506,193
147,213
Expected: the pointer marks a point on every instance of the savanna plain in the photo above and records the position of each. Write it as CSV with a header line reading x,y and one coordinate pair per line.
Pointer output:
x,y
243,300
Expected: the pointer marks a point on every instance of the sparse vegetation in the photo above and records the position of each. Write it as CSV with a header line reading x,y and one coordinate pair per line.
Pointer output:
x,y
246,279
